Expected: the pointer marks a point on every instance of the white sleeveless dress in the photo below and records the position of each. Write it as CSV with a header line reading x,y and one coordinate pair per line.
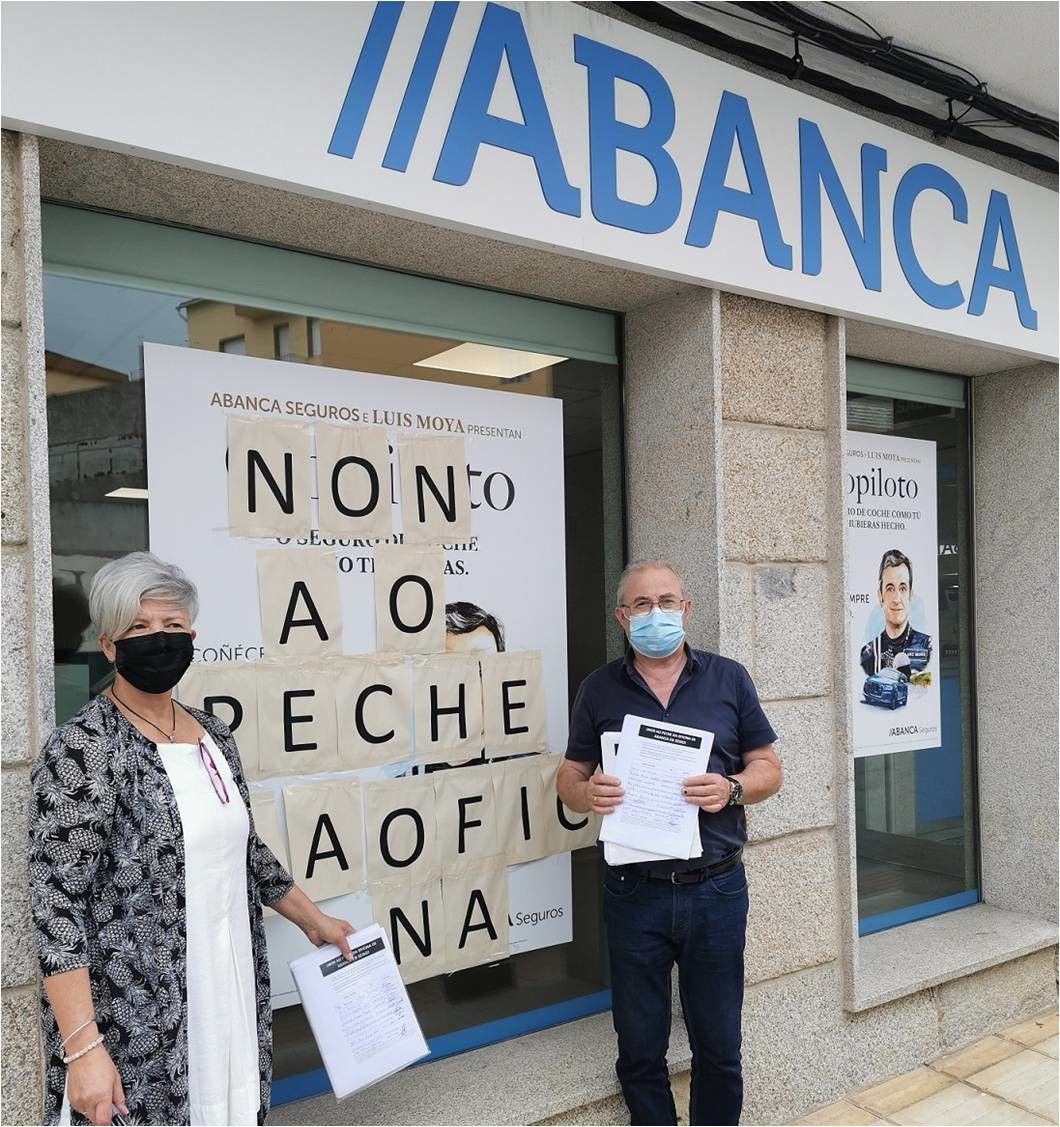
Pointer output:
x,y
222,1018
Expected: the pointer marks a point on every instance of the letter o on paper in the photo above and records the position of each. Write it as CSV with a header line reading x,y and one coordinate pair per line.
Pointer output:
x,y
428,600
384,837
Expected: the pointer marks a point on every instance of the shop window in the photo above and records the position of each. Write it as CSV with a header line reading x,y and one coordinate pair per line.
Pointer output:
x,y
97,323
281,342
916,818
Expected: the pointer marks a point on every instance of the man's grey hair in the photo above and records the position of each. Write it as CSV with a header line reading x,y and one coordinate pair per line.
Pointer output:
x,y
119,586
631,569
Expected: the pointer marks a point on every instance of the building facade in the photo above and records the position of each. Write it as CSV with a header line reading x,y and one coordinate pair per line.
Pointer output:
x,y
714,348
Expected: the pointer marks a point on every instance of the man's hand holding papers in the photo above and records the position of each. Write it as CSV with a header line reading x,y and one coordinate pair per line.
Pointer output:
x,y
654,760
709,792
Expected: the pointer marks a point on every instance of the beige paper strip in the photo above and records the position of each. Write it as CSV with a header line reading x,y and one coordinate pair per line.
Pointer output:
x,y
447,703
267,824
228,690
413,917
266,815
435,495
301,612
466,815
513,702
401,836
270,481
353,481
409,599
296,720
565,830
326,831
524,811
374,703
476,915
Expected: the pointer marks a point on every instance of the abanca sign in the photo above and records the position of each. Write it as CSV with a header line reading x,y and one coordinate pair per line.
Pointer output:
x,y
552,125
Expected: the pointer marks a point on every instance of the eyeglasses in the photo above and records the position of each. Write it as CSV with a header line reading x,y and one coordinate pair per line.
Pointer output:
x,y
640,607
213,774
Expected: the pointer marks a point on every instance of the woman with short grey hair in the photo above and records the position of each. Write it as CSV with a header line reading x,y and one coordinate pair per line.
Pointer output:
x,y
147,881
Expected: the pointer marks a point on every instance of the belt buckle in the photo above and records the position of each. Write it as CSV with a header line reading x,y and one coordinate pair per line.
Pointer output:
x,y
673,877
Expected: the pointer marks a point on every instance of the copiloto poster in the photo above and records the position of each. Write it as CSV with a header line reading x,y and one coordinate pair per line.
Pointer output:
x,y
501,585
892,593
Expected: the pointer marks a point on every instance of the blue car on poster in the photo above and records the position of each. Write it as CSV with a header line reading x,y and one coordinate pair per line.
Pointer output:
x,y
885,692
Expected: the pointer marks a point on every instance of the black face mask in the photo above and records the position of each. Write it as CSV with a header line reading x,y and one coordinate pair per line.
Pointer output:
x,y
154,663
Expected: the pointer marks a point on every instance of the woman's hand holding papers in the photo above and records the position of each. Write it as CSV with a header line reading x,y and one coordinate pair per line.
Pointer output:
x,y
708,792
327,929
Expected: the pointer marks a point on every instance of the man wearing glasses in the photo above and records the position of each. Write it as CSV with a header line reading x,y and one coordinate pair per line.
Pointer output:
x,y
665,912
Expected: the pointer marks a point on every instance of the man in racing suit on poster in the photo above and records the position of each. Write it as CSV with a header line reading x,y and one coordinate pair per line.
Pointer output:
x,y
898,646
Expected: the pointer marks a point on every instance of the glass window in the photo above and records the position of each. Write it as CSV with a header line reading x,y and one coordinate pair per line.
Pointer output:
x,y
915,810
281,346
95,331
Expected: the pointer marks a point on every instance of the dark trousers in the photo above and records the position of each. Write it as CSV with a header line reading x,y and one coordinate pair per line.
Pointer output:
x,y
652,925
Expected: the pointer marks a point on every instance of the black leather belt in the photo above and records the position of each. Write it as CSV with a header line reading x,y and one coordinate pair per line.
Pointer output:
x,y
682,876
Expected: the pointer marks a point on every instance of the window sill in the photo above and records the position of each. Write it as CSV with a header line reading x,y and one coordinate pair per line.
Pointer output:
x,y
523,1080
904,960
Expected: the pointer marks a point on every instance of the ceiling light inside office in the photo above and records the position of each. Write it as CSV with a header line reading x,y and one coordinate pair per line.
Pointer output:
x,y
489,360
127,493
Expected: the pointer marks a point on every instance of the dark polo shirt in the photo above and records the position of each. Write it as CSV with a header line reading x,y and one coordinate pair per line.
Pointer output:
x,y
712,692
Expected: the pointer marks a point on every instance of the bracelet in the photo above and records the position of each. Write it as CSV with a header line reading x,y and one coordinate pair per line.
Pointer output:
x,y
87,1049
83,1025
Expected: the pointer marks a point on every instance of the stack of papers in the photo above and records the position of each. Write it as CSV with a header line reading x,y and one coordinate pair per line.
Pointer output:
x,y
654,822
359,1011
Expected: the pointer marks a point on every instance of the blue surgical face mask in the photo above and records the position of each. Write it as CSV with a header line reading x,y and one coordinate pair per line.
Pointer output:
x,y
658,634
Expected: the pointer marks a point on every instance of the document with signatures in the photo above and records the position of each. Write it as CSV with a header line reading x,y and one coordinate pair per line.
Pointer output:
x,y
359,1011
615,854
653,760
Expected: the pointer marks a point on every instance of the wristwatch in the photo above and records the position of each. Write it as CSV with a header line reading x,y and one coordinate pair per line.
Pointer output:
x,y
735,791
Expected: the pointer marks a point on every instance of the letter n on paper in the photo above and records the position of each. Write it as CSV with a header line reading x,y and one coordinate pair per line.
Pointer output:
x,y
412,915
270,479
435,494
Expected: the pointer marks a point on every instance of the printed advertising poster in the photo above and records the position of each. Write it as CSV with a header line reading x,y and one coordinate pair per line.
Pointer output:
x,y
892,534
277,593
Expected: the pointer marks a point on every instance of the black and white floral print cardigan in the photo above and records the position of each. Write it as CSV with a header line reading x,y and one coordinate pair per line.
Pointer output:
x,y
106,874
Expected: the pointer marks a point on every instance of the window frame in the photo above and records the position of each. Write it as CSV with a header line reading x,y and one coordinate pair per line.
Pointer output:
x,y
97,246
892,381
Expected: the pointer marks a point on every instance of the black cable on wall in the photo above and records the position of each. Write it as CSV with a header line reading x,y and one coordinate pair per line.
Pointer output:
x,y
793,68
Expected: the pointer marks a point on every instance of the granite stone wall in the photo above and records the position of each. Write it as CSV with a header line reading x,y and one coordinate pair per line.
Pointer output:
x,y
1015,423
734,415
762,395
25,565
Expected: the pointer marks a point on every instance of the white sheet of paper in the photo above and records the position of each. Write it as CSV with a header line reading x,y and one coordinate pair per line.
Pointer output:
x,y
653,760
359,1011
615,854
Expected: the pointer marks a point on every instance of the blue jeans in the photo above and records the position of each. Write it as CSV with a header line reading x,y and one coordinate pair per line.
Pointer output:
x,y
651,925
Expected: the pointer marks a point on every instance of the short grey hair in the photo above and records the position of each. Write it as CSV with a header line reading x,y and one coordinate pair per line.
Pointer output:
x,y
631,569
119,587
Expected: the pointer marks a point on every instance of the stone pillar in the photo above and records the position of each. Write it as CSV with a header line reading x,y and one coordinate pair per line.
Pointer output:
x,y
782,537
782,616
734,421
25,561
673,433
1014,433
